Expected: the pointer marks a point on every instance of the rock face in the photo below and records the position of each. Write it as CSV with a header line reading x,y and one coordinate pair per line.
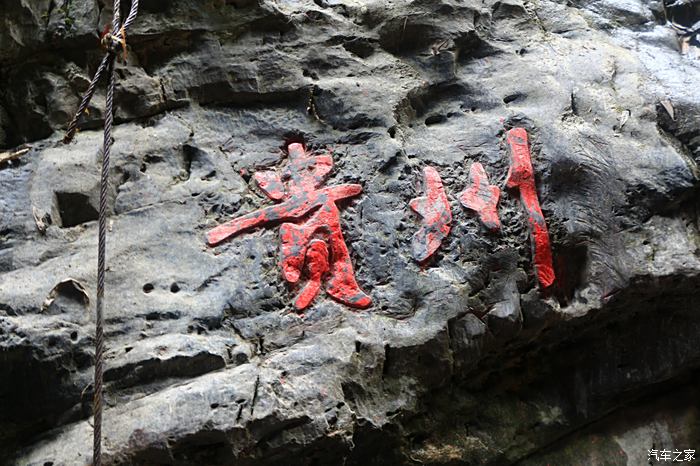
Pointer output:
x,y
460,360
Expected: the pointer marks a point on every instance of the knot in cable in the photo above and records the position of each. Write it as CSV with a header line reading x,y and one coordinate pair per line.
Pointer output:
x,y
114,43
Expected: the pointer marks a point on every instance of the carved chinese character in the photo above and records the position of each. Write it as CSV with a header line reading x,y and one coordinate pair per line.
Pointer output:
x,y
522,178
482,197
436,217
313,244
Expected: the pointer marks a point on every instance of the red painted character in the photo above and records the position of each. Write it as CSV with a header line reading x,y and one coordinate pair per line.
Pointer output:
x,y
316,244
436,217
482,197
522,177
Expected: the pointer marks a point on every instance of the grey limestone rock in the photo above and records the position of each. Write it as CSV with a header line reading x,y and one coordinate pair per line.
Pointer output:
x,y
462,360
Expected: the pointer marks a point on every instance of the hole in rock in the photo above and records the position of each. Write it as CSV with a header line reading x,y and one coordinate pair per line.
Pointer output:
x,y
148,287
291,139
74,209
74,335
72,291
241,358
360,48
435,119
309,74
174,288
570,266
516,97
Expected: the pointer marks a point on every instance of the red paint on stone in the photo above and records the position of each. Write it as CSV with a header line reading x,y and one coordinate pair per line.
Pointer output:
x,y
271,184
317,240
436,217
317,266
482,197
522,177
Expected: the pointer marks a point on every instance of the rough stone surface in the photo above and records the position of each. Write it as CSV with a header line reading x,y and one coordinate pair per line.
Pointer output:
x,y
463,360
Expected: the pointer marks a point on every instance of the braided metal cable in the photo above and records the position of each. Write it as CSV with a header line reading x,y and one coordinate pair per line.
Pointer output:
x,y
119,36
116,15
101,262
107,65
132,14
73,126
